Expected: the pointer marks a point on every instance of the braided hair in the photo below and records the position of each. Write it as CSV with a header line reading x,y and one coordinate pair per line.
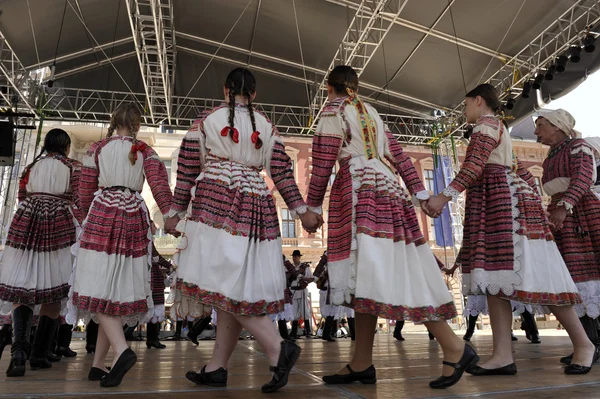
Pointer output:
x,y
127,116
56,141
241,82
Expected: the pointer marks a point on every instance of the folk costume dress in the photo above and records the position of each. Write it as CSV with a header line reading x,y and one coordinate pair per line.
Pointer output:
x,y
378,259
160,266
508,249
569,174
37,262
300,302
288,309
231,252
338,312
114,254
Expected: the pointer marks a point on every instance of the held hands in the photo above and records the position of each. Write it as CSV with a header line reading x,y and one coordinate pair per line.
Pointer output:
x,y
434,206
171,224
557,217
311,221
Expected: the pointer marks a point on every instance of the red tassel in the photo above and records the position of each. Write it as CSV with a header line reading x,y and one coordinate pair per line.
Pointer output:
x,y
254,136
235,136
225,130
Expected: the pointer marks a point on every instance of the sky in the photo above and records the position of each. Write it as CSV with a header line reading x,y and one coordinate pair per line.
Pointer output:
x,y
582,104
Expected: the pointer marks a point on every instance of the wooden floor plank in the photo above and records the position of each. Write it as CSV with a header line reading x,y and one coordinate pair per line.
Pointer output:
x,y
403,371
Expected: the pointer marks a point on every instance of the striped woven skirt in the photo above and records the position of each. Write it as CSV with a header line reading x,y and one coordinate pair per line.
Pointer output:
x,y
36,261
508,249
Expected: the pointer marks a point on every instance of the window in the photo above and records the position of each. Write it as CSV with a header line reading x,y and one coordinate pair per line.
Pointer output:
x,y
333,174
431,228
288,224
168,166
429,178
538,184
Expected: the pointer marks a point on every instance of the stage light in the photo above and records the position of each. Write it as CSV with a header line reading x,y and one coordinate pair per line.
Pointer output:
x,y
538,81
575,53
526,90
550,72
510,103
589,44
561,63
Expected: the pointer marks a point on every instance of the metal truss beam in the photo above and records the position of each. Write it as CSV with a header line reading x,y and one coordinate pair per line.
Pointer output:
x,y
85,105
566,31
17,86
353,4
365,34
80,53
154,37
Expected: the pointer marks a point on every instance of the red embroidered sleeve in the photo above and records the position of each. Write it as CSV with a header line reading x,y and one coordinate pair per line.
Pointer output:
x,y
74,183
403,164
581,170
280,168
527,176
158,260
326,146
22,193
88,183
158,180
189,166
478,152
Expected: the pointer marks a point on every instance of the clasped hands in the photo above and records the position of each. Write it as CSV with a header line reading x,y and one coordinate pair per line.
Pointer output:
x,y
434,206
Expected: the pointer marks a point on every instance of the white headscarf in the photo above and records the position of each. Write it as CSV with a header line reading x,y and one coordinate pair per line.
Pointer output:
x,y
562,120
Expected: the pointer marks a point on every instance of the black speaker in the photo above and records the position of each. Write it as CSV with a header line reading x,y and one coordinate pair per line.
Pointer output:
x,y
7,143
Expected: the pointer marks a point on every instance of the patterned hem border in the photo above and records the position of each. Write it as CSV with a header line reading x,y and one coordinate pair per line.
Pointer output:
x,y
242,308
96,305
543,298
33,297
400,312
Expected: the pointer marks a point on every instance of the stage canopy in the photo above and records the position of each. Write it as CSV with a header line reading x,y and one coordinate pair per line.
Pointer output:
x,y
415,58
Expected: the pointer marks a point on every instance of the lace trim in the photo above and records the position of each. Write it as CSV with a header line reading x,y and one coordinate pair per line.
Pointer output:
x,y
301,210
451,192
316,209
420,196
568,206
590,294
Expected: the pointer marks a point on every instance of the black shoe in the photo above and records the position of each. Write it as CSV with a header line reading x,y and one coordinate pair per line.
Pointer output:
x,y
399,337
535,339
197,328
368,376
125,362
90,349
290,352
469,358
216,378
577,369
510,369
97,374
513,338
66,352
155,344
53,357
566,359
467,337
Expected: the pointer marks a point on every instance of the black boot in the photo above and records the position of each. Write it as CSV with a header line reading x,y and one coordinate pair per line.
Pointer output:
x,y
398,330
529,325
178,327
283,331
5,337
91,336
44,334
63,347
128,331
294,333
307,328
18,351
50,355
197,328
152,341
352,328
327,329
471,327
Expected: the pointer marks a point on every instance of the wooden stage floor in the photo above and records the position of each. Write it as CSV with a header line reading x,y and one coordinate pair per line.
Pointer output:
x,y
403,371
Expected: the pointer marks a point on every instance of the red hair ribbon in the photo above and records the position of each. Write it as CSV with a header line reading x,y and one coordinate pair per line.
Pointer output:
x,y
256,140
233,132
139,146
25,179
